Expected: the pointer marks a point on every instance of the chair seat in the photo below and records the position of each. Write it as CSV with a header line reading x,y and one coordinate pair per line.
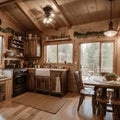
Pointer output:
x,y
87,91
84,91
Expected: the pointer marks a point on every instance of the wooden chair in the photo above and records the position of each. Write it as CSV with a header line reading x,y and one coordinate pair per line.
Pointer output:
x,y
113,103
109,91
84,91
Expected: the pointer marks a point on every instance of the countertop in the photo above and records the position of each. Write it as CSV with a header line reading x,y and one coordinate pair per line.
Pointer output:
x,y
4,78
60,69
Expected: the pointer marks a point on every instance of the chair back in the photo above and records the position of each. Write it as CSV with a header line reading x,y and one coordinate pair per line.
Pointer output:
x,y
78,78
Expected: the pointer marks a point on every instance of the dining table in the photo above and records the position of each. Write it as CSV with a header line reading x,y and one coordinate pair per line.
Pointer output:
x,y
101,82
112,87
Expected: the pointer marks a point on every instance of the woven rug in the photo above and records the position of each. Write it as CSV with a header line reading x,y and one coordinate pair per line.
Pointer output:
x,y
42,102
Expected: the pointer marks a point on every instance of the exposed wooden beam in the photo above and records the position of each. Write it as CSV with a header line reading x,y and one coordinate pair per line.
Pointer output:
x,y
7,2
28,14
62,14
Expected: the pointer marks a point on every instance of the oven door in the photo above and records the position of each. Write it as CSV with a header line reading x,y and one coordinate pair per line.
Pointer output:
x,y
19,84
19,80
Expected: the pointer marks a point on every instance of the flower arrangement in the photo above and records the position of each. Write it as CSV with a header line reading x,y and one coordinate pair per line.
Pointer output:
x,y
111,76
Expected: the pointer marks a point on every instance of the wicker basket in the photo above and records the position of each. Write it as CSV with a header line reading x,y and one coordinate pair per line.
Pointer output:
x,y
111,76
110,79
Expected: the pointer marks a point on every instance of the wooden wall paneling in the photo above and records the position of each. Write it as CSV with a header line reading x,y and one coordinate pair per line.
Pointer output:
x,y
4,3
76,16
8,22
116,10
63,16
92,9
15,21
101,8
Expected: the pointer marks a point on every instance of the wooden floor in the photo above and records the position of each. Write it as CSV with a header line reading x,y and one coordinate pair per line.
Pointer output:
x,y
13,111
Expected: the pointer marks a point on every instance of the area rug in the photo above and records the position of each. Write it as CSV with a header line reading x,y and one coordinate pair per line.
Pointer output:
x,y
42,102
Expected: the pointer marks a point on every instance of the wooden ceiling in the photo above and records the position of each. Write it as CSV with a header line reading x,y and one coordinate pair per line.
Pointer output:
x,y
29,14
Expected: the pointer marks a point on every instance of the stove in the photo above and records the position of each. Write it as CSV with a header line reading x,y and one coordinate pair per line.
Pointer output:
x,y
19,81
19,77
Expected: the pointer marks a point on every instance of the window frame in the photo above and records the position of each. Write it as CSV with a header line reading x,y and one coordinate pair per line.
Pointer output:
x,y
2,50
101,41
57,43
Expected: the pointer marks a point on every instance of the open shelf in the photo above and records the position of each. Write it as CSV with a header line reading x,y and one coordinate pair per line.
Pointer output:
x,y
58,39
14,43
16,47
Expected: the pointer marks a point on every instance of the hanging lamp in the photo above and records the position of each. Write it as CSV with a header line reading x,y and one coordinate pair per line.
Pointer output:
x,y
110,32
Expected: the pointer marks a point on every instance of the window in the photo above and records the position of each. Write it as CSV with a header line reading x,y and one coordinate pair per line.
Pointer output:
x,y
51,53
65,53
96,57
1,40
107,57
60,53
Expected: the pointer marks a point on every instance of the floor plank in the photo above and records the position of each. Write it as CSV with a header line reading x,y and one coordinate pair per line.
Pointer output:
x,y
13,111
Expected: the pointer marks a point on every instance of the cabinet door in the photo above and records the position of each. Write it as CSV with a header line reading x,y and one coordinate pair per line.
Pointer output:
x,y
26,50
33,48
31,80
43,84
38,48
8,90
55,81
58,82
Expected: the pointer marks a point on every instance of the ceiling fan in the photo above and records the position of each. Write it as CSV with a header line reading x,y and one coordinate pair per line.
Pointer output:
x,y
48,16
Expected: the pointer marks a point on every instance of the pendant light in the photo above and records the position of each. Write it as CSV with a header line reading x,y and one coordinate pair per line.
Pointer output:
x,y
110,32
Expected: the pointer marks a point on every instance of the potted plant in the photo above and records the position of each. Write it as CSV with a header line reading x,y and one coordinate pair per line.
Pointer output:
x,y
111,76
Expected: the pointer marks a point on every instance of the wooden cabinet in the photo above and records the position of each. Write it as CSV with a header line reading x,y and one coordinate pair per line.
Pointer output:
x,y
33,48
58,82
54,84
8,88
43,84
2,90
5,89
31,80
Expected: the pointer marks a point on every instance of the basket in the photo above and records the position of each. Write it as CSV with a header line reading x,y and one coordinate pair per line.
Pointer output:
x,y
111,78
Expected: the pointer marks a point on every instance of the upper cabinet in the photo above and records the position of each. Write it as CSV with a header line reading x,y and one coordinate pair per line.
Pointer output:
x,y
32,47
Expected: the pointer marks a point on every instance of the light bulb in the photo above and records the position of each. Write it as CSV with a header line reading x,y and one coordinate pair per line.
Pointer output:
x,y
45,20
52,14
110,33
50,19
